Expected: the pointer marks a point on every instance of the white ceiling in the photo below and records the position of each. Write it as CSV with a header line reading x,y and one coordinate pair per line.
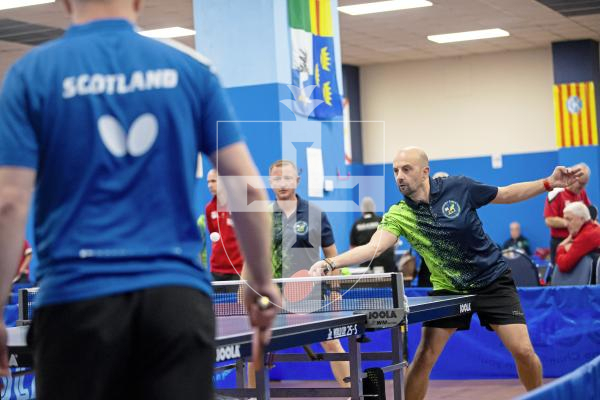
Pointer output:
x,y
378,38
156,14
402,35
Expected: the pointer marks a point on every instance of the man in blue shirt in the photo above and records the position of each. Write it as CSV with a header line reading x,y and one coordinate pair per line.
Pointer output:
x,y
107,124
439,219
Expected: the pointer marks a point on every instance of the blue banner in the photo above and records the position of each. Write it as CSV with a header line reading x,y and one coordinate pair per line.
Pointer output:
x,y
563,322
325,79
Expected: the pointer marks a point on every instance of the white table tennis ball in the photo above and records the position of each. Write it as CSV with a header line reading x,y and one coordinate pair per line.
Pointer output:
x,y
215,236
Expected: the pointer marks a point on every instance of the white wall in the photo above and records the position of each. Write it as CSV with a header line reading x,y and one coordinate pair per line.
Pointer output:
x,y
461,106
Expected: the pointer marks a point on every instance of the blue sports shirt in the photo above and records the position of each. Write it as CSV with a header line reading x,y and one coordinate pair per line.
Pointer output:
x,y
112,122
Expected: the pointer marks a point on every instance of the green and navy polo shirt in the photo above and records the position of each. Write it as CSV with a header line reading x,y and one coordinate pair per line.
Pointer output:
x,y
449,235
297,239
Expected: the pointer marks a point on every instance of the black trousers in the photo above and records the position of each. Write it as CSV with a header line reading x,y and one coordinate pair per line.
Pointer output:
x,y
554,242
150,344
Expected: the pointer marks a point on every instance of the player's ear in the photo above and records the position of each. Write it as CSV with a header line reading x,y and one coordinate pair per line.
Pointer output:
x,y
68,7
137,6
426,171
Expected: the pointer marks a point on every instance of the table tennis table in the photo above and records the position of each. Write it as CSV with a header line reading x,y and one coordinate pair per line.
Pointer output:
x,y
234,336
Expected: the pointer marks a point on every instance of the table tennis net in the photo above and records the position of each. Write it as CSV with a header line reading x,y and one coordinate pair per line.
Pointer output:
x,y
326,294
320,294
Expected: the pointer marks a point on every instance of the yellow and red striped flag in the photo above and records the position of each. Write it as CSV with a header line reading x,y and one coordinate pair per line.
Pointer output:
x,y
575,114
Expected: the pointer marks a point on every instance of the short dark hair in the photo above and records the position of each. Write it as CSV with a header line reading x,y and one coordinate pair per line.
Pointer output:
x,y
282,163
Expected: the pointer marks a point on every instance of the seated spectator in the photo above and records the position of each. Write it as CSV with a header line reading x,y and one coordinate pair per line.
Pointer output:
x,y
584,236
517,241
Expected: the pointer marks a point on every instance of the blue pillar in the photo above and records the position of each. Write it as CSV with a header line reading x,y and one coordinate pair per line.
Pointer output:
x,y
579,61
248,42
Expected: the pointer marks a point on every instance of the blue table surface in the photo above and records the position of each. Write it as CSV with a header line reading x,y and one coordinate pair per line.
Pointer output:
x,y
228,326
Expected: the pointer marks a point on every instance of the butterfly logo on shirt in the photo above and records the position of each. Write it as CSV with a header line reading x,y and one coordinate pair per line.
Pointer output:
x,y
136,142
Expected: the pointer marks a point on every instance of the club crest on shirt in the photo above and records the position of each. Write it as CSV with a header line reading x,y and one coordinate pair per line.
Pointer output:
x,y
451,209
301,227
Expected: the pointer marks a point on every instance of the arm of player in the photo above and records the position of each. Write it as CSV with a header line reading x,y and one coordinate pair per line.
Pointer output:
x,y
330,251
556,222
16,186
253,230
380,242
561,177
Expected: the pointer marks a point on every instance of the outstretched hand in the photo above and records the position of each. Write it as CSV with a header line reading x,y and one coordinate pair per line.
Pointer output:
x,y
317,269
563,176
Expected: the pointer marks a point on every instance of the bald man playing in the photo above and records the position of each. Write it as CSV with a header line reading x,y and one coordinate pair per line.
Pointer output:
x,y
439,219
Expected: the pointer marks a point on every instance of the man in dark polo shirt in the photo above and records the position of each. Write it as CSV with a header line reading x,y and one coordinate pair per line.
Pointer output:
x,y
300,230
439,219
361,233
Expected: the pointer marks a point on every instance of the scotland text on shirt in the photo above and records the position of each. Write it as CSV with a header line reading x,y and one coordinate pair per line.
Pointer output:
x,y
109,84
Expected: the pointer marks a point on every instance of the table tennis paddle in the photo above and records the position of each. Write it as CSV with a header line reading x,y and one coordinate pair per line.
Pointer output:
x,y
298,291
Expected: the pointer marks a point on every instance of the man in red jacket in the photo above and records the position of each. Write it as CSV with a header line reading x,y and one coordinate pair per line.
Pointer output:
x,y
22,275
226,261
584,236
555,204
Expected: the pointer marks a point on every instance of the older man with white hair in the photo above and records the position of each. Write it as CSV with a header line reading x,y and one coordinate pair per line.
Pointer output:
x,y
584,236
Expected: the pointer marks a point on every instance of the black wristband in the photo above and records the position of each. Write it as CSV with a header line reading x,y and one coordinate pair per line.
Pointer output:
x,y
330,265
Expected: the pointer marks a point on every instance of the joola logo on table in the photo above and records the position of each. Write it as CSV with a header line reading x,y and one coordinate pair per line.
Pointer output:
x,y
464,308
383,314
384,318
228,352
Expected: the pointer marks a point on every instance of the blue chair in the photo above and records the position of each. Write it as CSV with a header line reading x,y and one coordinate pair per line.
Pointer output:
x,y
580,275
524,271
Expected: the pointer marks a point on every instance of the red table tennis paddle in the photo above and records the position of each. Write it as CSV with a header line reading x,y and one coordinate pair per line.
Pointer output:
x,y
298,291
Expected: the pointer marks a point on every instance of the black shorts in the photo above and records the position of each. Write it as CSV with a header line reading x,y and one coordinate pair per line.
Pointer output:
x,y
217,277
496,304
150,344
